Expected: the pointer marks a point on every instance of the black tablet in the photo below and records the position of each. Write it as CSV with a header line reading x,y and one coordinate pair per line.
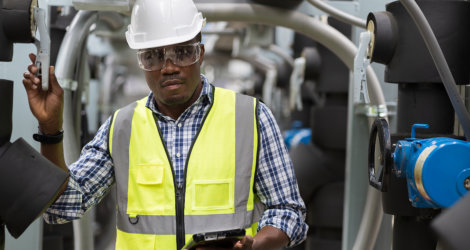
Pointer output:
x,y
222,239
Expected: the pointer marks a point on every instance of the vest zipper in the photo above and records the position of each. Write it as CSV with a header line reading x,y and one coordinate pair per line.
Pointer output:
x,y
180,190
179,195
180,235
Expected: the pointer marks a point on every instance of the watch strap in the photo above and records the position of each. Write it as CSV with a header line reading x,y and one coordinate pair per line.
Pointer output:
x,y
49,139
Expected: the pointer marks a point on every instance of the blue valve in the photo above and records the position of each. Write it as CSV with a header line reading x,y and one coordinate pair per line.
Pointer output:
x,y
437,169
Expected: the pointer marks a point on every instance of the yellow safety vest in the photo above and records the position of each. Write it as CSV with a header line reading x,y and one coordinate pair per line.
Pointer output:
x,y
152,212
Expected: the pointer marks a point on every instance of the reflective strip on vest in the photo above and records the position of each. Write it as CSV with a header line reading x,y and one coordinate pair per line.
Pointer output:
x,y
245,210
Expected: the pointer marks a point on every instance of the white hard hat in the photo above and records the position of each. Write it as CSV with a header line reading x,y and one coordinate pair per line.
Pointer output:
x,y
156,23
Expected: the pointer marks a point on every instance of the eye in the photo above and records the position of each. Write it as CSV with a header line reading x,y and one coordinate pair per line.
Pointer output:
x,y
158,53
146,57
180,52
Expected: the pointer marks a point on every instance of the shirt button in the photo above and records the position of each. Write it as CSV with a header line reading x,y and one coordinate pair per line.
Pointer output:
x,y
178,154
179,125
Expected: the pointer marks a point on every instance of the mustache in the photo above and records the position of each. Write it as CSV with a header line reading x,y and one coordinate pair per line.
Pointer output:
x,y
171,77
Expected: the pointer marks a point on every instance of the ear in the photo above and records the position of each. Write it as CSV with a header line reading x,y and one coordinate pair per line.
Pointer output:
x,y
201,57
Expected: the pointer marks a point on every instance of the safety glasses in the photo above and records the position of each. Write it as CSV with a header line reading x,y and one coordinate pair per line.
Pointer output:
x,y
180,55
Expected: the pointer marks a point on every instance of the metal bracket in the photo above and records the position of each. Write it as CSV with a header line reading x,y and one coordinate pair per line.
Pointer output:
x,y
68,84
372,110
361,62
296,80
43,47
268,86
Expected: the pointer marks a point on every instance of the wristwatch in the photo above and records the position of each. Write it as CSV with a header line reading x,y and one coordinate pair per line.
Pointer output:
x,y
49,139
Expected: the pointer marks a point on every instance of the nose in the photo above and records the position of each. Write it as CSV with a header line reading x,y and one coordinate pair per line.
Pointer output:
x,y
169,67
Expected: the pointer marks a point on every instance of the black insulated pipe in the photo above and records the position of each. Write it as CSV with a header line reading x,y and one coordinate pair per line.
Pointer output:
x,y
2,236
16,25
6,106
385,35
29,184
412,61
439,59
424,103
452,225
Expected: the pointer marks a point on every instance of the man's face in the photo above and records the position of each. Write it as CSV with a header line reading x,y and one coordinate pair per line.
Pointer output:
x,y
175,85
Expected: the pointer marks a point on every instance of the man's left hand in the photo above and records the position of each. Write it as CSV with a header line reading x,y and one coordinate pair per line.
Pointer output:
x,y
244,244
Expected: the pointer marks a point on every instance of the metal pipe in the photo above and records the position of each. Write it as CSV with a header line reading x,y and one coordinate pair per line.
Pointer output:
x,y
73,41
440,62
70,66
114,20
68,55
279,51
228,31
338,14
329,37
371,219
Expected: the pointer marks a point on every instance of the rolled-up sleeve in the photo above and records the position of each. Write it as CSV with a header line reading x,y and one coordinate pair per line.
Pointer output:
x,y
275,182
90,179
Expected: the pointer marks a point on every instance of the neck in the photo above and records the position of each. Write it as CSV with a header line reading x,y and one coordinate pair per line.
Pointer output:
x,y
175,110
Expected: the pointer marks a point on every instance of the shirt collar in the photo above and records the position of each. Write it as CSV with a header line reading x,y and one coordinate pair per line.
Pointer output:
x,y
206,95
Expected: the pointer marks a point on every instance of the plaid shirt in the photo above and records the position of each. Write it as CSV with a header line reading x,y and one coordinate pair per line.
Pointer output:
x,y
92,175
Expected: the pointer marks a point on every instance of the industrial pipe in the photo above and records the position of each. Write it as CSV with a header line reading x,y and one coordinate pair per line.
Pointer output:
x,y
70,54
440,62
67,58
338,14
339,45
329,37
371,219
16,25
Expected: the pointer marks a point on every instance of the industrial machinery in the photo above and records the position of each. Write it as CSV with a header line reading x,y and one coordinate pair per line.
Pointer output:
x,y
29,183
308,61
419,177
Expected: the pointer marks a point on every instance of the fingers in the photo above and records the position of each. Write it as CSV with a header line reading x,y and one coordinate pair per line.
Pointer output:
x,y
32,57
30,81
32,67
53,83
245,243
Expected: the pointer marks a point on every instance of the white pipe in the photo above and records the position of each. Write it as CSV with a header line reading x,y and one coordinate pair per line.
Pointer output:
x,y
329,37
371,219
338,14
70,51
72,48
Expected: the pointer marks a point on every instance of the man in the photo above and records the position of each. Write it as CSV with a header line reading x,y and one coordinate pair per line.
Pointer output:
x,y
188,158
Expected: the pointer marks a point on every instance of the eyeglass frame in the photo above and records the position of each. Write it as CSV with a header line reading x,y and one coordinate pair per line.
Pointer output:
x,y
198,55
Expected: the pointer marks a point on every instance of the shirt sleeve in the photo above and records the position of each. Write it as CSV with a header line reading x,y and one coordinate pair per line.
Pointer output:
x,y
90,179
275,182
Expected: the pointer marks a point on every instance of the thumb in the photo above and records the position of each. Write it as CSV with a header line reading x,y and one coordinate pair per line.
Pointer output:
x,y
53,83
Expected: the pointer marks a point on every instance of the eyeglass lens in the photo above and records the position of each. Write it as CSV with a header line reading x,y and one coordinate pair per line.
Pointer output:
x,y
181,55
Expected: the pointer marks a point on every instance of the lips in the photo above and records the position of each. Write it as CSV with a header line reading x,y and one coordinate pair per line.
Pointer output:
x,y
171,83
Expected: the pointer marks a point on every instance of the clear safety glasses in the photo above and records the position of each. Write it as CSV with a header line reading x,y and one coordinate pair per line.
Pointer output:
x,y
180,55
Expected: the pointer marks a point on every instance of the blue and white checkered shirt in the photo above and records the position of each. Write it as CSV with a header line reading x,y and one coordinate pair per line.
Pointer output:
x,y
92,175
